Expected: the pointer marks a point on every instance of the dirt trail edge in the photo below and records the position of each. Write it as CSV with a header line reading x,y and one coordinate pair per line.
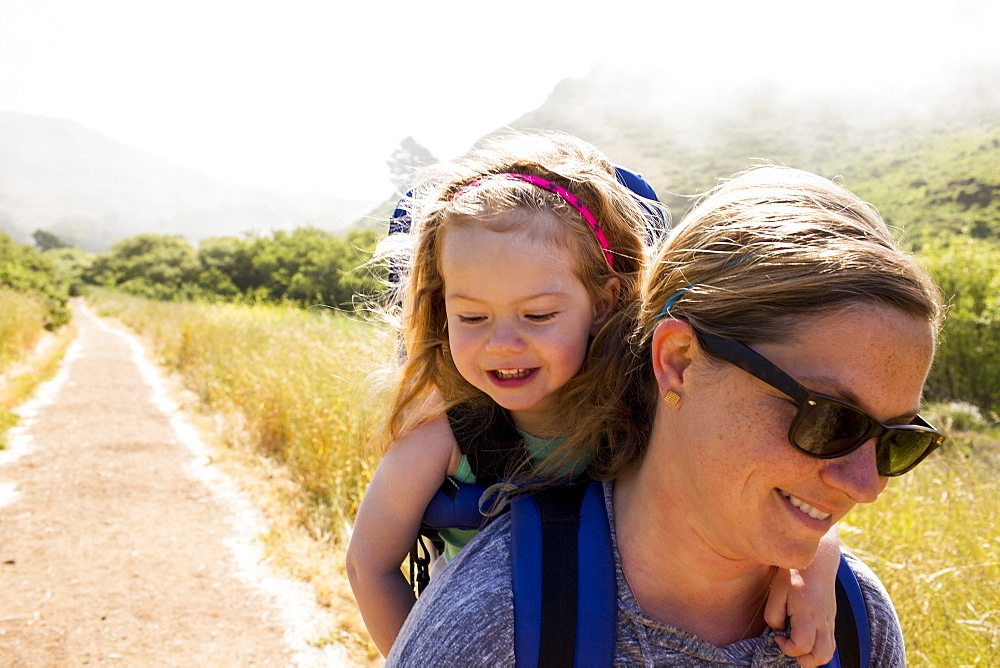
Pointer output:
x,y
121,544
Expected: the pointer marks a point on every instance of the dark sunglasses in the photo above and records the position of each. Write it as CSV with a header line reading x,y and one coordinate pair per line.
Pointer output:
x,y
827,428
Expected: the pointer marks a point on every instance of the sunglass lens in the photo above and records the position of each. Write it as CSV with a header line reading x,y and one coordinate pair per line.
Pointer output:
x,y
902,449
828,429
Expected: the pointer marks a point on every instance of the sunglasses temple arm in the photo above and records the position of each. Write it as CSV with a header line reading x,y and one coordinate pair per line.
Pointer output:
x,y
755,364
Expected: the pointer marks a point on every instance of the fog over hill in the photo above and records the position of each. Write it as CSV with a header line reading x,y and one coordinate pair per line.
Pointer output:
x,y
685,130
91,191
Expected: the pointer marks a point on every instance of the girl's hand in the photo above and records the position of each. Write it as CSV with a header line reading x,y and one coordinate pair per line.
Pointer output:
x,y
807,599
811,640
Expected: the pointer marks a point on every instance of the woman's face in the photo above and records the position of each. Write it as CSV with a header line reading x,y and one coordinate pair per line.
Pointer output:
x,y
748,492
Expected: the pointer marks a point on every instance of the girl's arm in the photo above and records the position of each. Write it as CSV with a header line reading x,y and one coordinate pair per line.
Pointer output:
x,y
388,521
808,599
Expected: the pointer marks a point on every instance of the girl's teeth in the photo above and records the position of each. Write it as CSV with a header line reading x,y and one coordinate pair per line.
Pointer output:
x,y
805,507
507,374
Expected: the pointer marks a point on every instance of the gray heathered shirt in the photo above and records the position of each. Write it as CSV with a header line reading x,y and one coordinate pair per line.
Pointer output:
x,y
466,618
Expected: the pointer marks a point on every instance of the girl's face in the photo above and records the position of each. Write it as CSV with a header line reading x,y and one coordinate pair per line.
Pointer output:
x,y
519,318
749,493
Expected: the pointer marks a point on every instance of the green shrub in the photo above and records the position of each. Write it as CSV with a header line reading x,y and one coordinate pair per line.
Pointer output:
x,y
24,269
965,368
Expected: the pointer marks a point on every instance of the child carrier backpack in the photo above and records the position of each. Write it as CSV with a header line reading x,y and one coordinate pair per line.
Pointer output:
x,y
563,576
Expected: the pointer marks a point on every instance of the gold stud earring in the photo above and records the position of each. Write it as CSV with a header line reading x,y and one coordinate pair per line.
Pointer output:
x,y
672,398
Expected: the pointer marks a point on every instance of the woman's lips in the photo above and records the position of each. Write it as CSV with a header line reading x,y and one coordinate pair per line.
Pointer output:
x,y
812,512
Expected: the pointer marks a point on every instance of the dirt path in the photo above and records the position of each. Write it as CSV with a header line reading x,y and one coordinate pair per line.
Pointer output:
x,y
119,542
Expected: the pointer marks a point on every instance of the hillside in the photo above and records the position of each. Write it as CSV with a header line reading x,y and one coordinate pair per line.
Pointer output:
x,y
91,191
927,155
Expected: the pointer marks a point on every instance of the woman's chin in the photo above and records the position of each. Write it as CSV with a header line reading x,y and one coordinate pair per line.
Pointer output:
x,y
796,555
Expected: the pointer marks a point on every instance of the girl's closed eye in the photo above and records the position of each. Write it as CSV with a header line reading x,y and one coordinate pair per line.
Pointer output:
x,y
541,317
471,319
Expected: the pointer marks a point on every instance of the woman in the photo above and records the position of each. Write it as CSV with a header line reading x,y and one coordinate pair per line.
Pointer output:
x,y
779,357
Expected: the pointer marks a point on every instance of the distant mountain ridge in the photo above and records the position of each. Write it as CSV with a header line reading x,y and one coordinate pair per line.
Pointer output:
x,y
90,191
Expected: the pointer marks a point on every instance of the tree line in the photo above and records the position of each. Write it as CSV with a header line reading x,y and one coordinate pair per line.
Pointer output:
x,y
306,266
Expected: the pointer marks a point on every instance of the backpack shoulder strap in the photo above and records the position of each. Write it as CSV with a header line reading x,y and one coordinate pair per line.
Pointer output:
x,y
562,563
853,632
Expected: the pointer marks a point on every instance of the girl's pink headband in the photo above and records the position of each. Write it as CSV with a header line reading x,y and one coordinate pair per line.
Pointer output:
x,y
569,197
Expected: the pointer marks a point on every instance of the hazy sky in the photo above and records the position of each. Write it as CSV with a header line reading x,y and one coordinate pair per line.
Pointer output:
x,y
316,94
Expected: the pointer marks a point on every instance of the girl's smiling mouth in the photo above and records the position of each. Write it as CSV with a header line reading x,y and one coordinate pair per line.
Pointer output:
x,y
511,374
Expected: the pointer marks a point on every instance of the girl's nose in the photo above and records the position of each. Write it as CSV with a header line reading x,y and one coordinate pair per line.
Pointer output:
x,y
505,338
856,474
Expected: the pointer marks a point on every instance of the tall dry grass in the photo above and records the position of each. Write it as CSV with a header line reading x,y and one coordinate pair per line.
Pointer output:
x,y
26,358
22,318
22,322
934,541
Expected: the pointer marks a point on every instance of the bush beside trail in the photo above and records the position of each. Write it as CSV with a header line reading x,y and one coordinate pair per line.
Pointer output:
x,y
26,270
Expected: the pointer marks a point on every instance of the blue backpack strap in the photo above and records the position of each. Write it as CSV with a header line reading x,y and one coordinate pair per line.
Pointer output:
x,y
853,632
455,506
563,571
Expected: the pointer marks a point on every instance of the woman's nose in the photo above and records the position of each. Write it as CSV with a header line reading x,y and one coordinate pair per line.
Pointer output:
x,y
856,474
505,338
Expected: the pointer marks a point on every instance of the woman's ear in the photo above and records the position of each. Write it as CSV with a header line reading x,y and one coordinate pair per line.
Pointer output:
x,y
605,303
673,342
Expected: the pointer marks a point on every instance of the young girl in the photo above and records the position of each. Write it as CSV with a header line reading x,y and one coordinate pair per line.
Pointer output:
x,y
525,260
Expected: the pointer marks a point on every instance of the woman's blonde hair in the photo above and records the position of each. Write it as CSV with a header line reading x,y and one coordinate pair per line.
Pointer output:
x,y
443,199
758,256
